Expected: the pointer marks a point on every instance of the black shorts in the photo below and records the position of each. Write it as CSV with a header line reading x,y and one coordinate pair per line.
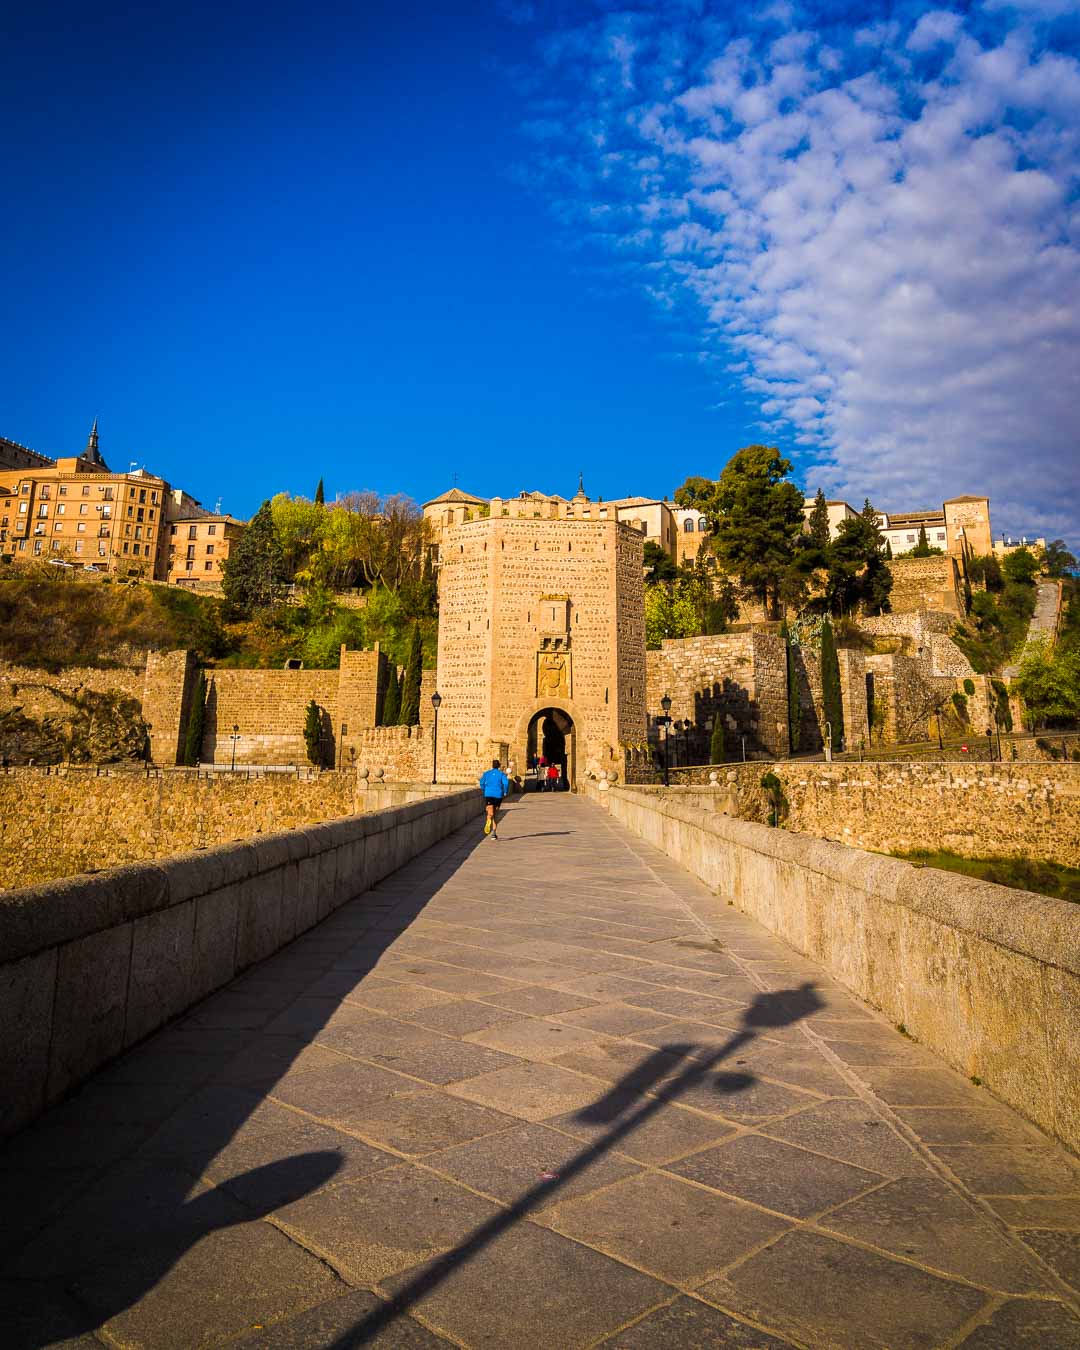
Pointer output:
x,y
496,802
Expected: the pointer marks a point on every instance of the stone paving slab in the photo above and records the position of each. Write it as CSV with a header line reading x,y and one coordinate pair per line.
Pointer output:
x,y
541,1090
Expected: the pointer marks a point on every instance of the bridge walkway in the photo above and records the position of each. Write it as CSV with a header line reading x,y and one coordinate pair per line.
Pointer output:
x,y
542,1090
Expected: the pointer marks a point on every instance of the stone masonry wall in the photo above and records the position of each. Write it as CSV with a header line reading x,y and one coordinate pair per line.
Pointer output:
x,y
925,584
75,821
30,688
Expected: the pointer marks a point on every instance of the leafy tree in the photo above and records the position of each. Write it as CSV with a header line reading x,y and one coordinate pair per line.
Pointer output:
x,y
658,563
253,575
392,698
299,526
830,683
987,570
716,741
923,549
794,710
313,733
320,494
1057,559
196,723
669,613
1021,566
409,715
1049,682
757,519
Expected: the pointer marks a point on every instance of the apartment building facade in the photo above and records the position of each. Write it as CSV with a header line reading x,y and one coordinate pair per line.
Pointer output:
x,y
196,546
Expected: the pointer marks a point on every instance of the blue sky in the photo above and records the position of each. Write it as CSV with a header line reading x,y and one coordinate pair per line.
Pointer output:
x,y
391,244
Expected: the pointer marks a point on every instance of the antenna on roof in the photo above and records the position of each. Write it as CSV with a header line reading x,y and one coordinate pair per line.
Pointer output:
x,y
455,480
217,507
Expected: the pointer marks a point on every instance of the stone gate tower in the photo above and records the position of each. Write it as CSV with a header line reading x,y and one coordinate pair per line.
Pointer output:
x,y
541,642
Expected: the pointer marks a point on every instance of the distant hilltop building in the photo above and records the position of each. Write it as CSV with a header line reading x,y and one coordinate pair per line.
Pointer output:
x,y
76,510
959,526
678,531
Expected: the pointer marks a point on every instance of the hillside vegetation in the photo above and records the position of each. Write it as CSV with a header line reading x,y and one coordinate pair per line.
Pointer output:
x,y
55,624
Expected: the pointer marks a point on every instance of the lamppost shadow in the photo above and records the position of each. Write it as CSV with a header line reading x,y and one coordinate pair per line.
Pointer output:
x,y
618,1108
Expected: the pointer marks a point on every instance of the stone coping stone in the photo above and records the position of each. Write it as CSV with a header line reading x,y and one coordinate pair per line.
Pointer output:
x,y
35,918
1036,926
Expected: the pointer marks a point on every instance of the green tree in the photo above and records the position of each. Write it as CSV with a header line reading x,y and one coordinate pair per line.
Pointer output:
x,y
392,698
299,526
313,733
817,525
196,723
858,573
669,613
794,709
658,563
987,571
830,684
757,519
1021,567
1057,559
253,575
409,715
888,549
716,741
320,494
1049,682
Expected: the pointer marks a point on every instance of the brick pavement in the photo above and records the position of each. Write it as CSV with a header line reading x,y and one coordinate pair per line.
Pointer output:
x,y
546,1090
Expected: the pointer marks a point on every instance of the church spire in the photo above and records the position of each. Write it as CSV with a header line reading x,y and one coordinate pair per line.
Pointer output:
x,y
92,451
580,485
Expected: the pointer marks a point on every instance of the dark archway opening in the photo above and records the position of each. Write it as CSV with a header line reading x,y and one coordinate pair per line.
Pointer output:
x,y
551,741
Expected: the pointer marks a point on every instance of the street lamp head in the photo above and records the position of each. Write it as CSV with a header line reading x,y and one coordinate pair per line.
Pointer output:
x,y
236,728
665,703
436,700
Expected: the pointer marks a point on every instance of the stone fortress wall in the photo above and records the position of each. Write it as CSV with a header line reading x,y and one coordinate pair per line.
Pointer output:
x,y
926,584
535,614
76,820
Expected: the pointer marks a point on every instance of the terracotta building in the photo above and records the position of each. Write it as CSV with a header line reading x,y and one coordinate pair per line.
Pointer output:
x,y
75,509
197,545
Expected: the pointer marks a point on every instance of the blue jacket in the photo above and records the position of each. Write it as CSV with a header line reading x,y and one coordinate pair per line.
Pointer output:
x,y
494,783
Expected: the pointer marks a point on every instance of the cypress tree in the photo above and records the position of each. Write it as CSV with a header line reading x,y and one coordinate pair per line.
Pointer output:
x,y
888,549
392,698
716,744
830,683
193,736
410,684
313,728
818,523
320,495
794,711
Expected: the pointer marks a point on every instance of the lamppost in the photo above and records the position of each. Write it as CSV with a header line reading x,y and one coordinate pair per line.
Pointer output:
x,y
234,738
436,703
149,748
343,731
665,722
990,743
940,742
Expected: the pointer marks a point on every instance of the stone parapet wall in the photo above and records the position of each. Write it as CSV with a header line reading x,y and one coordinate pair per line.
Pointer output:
x,y
60,824
92,965
987,977
915,623
976,810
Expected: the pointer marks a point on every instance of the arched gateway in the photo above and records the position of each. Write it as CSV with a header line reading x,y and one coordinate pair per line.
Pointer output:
x,y
541,642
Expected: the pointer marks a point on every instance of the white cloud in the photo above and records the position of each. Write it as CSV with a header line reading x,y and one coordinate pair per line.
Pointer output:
x,y
894,256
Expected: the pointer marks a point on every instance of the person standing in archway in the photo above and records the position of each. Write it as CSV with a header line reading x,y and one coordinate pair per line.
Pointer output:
x,y
554,774
494,784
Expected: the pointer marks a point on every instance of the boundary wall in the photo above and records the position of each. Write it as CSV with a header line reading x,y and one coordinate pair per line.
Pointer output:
x,y
986,976
93,964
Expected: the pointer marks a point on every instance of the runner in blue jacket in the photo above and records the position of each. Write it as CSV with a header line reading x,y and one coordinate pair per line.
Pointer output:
x,y
495,785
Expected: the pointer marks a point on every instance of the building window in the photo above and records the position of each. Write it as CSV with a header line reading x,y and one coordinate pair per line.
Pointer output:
x,y
138,531
56,545
62,490
153,496
80,526
82,508
209,550
22,508
37,546
688,525
125,547
44,492
136,549
102,551
139,514
208,567
911,538
211,529
189,566
24,488
86,491
61,507
172,529
142,494
78,545
193,531
191,550
58,525
43,510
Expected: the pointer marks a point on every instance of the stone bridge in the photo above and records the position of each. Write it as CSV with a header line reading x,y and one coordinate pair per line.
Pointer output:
x,y
548,1090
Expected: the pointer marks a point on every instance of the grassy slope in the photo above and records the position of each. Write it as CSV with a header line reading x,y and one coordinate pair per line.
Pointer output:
x,y
1022,874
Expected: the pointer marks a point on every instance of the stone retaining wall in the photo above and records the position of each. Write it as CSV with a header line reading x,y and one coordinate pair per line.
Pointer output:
x,y
92,965
976,810
987,977
72,821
